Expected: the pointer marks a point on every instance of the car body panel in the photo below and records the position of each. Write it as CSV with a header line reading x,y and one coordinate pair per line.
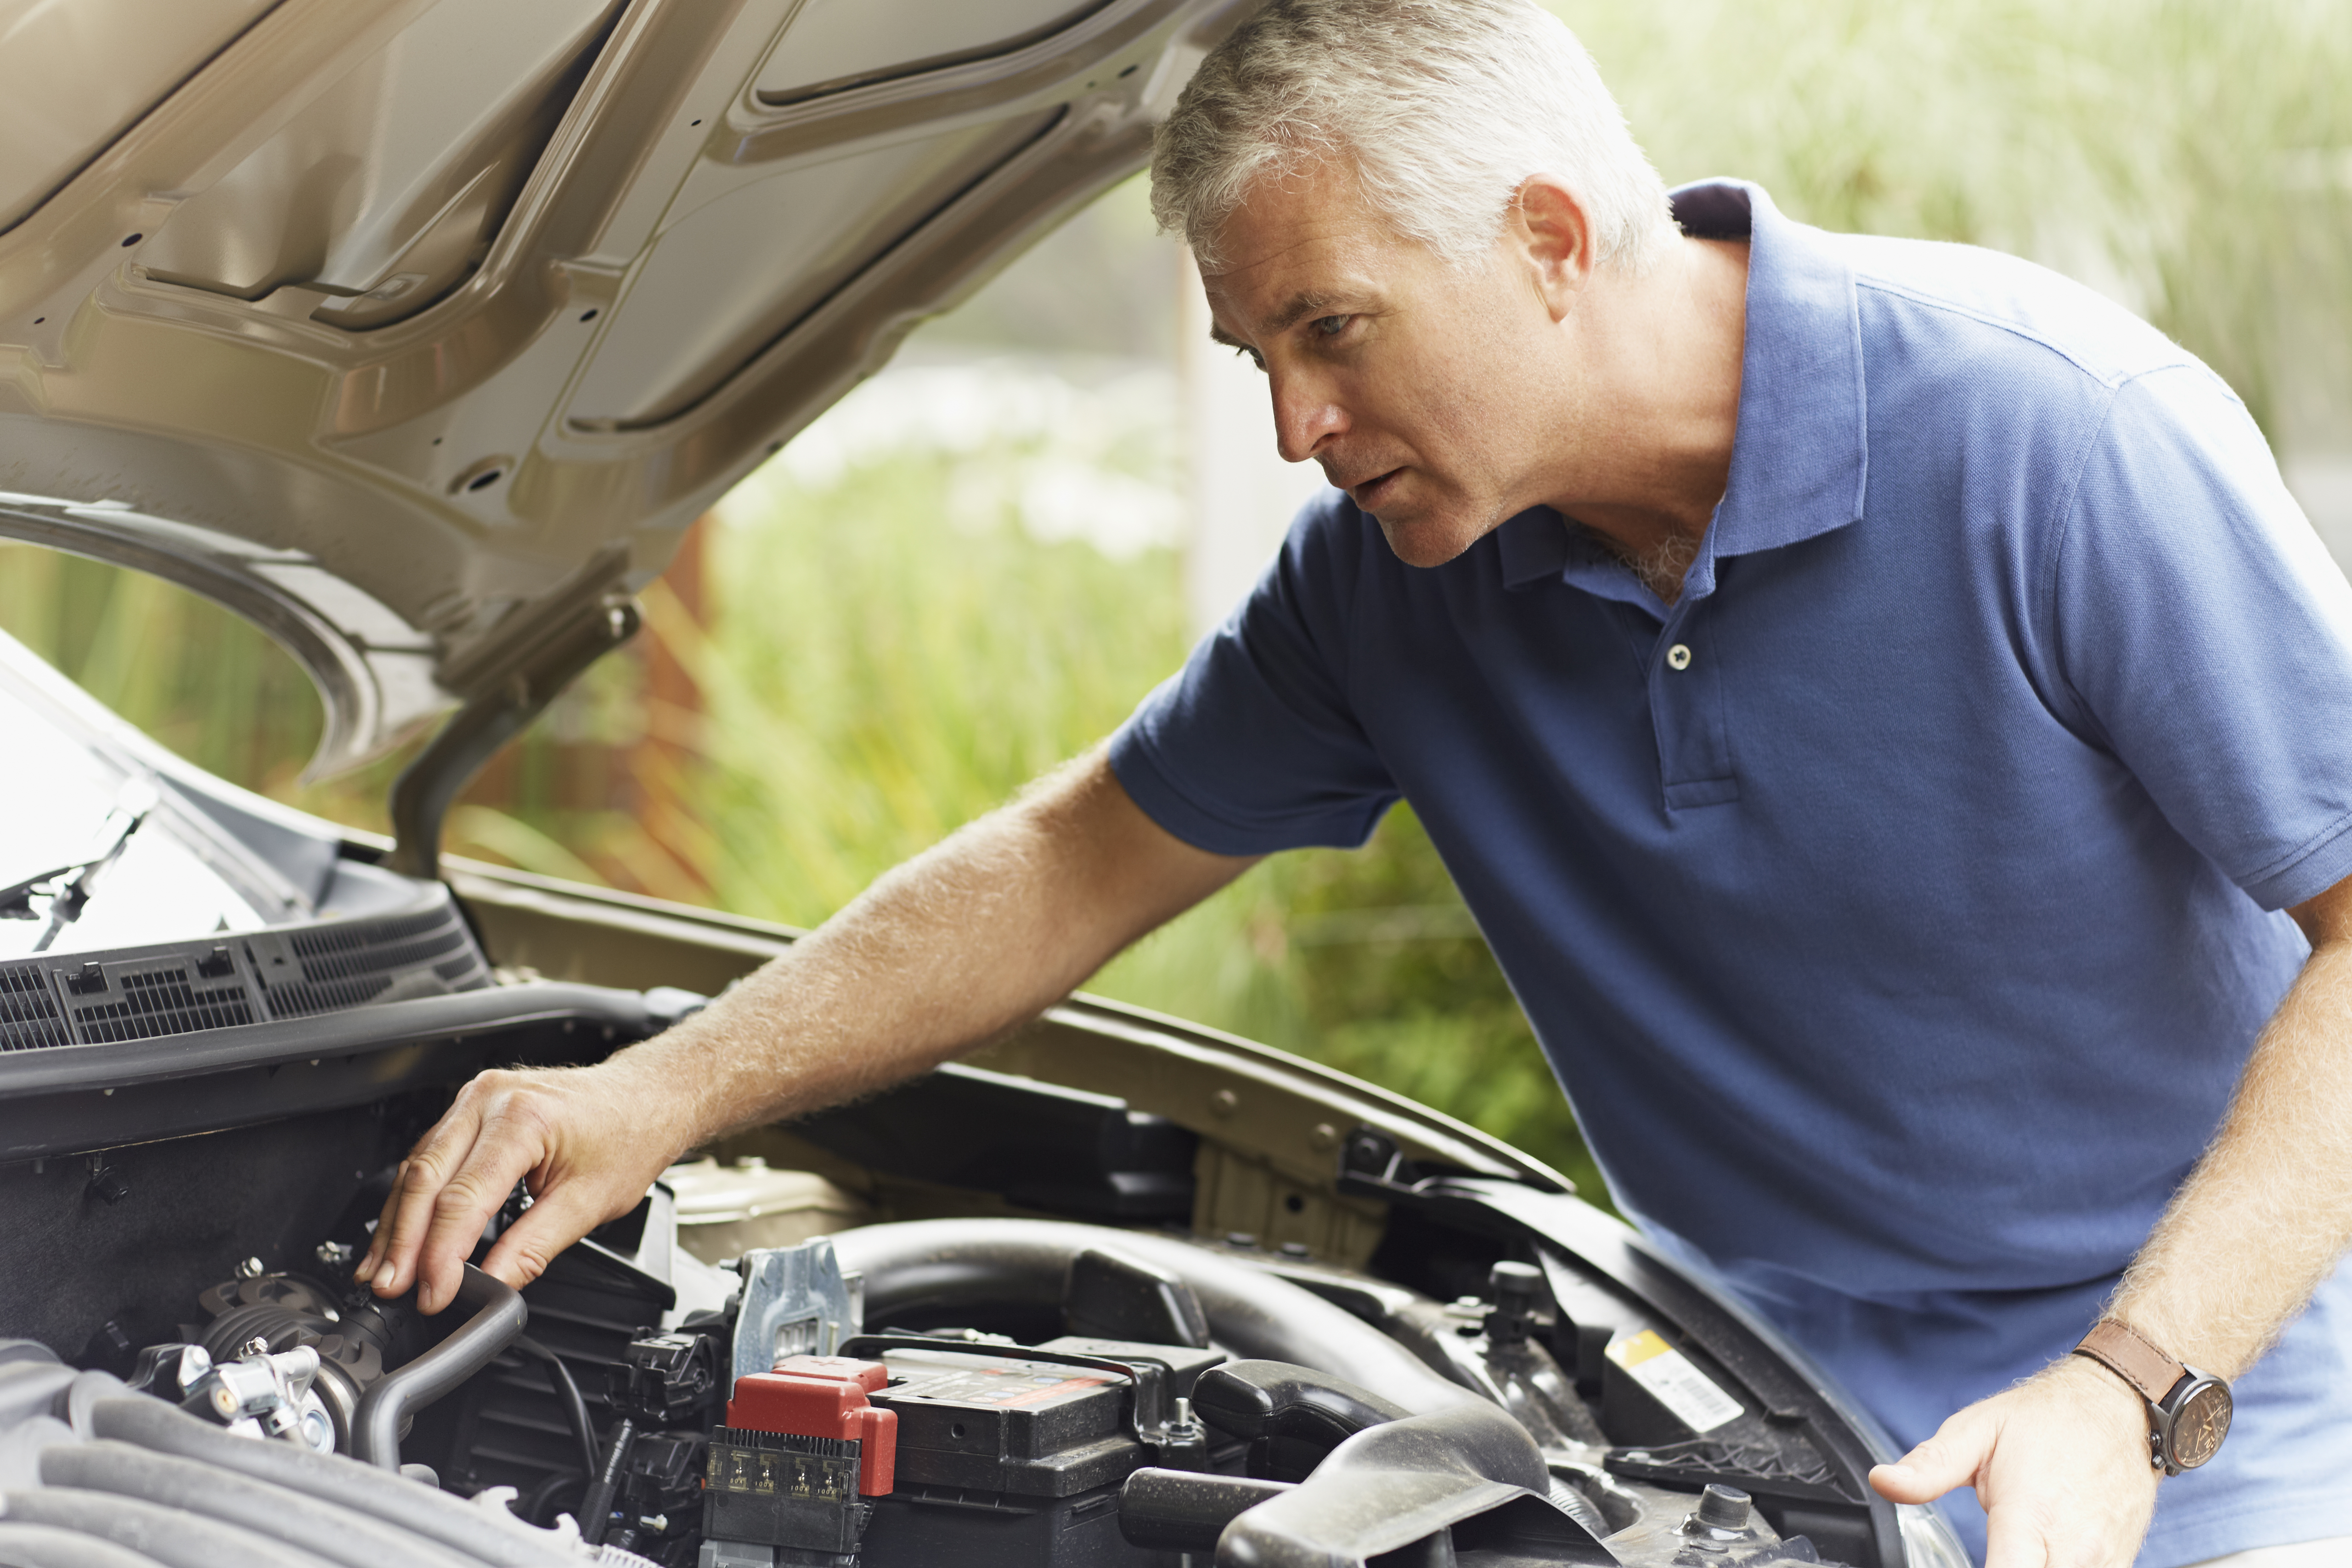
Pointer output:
x,y
394,326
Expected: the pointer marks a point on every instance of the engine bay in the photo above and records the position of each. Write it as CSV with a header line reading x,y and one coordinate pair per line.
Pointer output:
x,y
1117,1293
851,1400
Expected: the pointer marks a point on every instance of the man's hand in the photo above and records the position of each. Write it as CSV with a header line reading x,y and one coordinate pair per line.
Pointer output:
x,y
966,941
587,1142
2060,1463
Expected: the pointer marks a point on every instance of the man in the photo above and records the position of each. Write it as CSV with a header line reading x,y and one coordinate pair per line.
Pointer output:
x,y
1876,697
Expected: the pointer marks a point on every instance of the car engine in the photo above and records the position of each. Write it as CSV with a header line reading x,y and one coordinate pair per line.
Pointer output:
x,y
1013,1316
1205,1401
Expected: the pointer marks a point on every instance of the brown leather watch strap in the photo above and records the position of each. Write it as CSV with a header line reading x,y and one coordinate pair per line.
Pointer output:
x,y
2113,1346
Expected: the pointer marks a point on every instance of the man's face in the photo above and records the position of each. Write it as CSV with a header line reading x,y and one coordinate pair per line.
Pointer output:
x,y
1424,391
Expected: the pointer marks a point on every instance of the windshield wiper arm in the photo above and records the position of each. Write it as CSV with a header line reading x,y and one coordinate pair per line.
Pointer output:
x,y
16,902
73,885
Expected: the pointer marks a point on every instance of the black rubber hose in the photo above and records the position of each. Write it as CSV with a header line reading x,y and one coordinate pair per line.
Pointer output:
x,y
496,1538
1181,1510
341,1535
45,1546
533,1506
1276,1399
499,1316
916,1266
567,1394
171,1536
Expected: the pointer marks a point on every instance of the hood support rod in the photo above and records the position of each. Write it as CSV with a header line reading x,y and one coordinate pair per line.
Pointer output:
x,y
562,648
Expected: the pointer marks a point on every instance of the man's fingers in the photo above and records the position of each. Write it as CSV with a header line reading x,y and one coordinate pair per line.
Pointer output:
x,y
573,1132
464,1207
1951,1459
449,1186
562,1216
412,1210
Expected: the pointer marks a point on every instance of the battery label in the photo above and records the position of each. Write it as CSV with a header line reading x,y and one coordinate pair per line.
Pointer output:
x,y
1018,1383
1695,1398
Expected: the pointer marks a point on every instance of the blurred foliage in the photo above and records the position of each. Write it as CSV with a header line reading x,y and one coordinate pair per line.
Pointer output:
x,y
896,638
191,675
2186,156
875,680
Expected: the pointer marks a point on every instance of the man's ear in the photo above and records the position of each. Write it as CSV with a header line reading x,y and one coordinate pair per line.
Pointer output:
x,y
1549,232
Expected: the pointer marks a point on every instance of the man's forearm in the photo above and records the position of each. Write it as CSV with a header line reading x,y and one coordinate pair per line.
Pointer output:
x,y
951,949
2268,1210
948,951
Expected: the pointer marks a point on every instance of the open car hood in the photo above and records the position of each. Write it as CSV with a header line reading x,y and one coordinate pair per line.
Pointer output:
x,y
418,331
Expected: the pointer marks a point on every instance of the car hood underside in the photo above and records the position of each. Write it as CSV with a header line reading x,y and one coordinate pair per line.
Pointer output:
x,y
417,333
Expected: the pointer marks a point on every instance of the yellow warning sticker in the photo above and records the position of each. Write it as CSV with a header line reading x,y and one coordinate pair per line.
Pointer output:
x,y
1695,1399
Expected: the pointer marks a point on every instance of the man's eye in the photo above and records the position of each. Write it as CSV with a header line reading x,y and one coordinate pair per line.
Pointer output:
x,y
1330,326
1250,355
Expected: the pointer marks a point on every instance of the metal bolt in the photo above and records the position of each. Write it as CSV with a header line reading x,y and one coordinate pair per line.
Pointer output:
x,y
317,1431
251,1269
1722,1508
254,1346
337,1254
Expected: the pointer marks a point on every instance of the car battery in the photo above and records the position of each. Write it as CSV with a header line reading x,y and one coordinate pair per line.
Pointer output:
x,y
1008,1457
791,1476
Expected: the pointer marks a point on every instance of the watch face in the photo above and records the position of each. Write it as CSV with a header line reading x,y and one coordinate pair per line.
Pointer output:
x,y
2200,1422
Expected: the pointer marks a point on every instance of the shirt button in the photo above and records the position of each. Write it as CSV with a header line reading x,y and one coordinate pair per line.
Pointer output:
x,y
1678,656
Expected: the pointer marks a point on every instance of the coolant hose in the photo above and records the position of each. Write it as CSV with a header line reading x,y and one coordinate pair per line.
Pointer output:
x,y
496,1538
337,1534
171,1536
45,1546
499,1315
919,1266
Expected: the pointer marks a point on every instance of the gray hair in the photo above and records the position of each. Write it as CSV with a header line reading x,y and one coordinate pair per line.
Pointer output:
x,y
1442,108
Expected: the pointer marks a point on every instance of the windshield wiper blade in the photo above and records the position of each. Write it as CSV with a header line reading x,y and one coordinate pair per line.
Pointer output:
x,y
75,884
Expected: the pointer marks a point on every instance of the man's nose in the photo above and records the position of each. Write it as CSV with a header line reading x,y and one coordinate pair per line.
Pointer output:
x,y
1304,412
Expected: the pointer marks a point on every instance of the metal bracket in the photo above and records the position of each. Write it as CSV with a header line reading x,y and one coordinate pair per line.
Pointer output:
x,y
796,1301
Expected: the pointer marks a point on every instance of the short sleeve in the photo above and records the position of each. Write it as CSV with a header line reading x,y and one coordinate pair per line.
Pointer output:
x,y
1252,747
2207,635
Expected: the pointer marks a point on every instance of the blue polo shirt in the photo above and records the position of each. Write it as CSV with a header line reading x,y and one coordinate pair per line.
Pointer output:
x,y
1899,907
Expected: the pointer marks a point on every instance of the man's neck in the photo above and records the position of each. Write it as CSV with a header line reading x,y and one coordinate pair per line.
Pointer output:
x,y
1652,441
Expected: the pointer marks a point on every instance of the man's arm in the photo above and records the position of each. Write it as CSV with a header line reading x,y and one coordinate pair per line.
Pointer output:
x,y
948,951
2060,1461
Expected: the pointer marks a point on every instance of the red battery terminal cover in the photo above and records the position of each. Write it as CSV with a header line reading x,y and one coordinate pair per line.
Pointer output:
x,y
824,1396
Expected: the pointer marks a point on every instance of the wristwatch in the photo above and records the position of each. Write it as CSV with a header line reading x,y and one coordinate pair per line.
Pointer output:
x,y
2188,1410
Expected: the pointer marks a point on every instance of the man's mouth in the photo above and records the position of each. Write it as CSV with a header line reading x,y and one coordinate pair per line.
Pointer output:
x,y
1369,495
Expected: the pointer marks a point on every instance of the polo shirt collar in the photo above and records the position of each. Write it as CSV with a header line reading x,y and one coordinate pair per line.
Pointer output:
x,y
1800,459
